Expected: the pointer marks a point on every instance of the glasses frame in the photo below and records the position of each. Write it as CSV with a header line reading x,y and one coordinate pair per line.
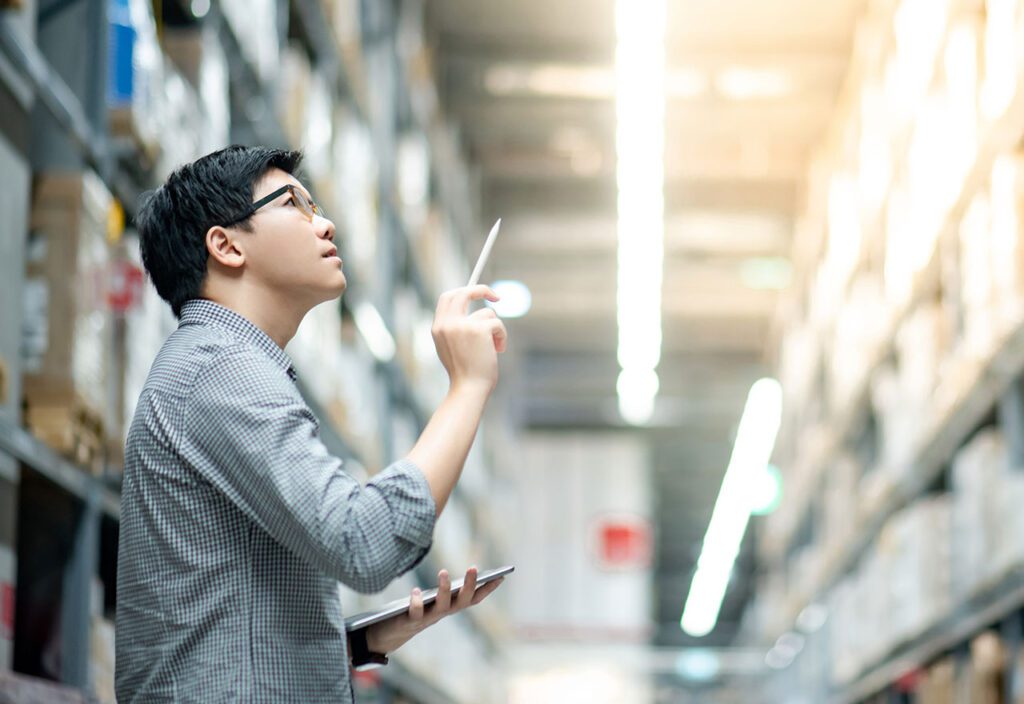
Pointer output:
x,y
303,203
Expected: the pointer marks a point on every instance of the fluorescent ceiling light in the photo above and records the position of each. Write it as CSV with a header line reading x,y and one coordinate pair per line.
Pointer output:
x,y
640,174
200,8
765,491
592,82
582,81
515,299
374,332
740,83
755,441
637,389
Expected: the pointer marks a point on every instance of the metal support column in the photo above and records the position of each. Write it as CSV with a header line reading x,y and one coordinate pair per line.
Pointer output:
x,y
77,597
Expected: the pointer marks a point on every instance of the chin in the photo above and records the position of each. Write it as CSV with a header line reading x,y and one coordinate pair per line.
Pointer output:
x,y
336,289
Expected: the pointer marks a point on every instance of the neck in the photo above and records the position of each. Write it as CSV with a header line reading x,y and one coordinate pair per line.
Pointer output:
x,y
263,309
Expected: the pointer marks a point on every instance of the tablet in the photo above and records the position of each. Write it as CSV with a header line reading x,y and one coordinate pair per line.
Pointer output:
x,y
396,608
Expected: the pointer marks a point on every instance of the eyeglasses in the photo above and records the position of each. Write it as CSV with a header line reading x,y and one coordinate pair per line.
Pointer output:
x,y
305,205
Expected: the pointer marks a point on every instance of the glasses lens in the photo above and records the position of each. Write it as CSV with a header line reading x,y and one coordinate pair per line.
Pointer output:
x,y
302,203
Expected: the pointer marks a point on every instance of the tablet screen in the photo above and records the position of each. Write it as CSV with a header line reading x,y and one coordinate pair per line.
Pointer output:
x,y
400,606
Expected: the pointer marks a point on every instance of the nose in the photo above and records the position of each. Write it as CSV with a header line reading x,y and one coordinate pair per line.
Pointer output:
x,y
324,228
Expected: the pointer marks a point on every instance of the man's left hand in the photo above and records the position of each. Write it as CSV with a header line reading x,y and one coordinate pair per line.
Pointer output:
x,y
388,636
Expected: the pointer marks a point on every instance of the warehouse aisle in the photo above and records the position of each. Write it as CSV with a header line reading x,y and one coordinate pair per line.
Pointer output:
x,y
759,431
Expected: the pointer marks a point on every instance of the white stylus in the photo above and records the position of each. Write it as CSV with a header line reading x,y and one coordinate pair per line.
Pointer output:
x,y
486,252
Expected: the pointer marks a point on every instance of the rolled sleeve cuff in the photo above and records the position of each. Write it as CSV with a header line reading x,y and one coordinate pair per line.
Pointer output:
x,y
405,489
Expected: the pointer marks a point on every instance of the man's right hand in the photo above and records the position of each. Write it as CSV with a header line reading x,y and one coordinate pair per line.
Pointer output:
x,y
467,344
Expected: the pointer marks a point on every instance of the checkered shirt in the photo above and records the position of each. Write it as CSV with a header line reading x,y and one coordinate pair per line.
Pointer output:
x,y
237,525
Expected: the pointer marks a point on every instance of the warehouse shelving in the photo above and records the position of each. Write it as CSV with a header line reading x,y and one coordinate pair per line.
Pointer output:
x,y
1000,138
26,73
815,565
987,608
980,384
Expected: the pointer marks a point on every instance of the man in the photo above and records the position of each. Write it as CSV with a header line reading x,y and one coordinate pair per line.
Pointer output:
x,y
236,523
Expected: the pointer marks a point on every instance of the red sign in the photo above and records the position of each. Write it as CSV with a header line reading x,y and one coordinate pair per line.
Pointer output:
x,y
6,611
624,542
125,286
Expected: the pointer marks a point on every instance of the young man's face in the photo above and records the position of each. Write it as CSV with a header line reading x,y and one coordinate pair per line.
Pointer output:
x,y
286,252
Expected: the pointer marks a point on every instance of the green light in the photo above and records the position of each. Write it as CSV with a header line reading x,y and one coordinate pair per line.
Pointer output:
x,y
766,491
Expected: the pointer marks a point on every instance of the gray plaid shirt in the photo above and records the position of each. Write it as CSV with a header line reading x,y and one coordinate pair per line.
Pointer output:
x,y
237,525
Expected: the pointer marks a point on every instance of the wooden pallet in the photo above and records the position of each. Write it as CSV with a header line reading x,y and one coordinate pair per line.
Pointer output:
x,y
69,425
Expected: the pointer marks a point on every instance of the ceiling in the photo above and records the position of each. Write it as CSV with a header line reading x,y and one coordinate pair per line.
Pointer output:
x,y
752,87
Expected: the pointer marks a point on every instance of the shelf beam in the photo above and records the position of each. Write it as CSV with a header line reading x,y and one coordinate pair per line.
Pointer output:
x,y
21,445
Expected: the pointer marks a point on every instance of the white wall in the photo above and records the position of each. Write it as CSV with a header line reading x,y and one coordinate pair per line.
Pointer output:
x,y
565,484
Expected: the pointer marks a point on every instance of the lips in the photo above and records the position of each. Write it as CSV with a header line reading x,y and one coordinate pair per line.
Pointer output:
x,y
332,252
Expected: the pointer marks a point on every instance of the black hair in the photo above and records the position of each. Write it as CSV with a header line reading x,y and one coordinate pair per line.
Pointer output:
x,y
173,220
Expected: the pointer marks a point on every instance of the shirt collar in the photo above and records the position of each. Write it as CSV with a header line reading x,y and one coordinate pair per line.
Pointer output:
x,y
200,311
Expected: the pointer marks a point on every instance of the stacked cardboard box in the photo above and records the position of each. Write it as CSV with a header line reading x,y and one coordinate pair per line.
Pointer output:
x,y
985,674
101,660
147,324
68,323
937,685
199,58
345,17
182,124
294,93
254,24
840,510
355,187
1006,193
316,351
860,326
916,546
988,491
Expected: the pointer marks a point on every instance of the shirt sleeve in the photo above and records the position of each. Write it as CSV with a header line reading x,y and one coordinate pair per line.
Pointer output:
x,y
249,433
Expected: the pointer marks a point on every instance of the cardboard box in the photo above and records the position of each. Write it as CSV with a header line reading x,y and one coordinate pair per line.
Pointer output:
x,y
254,24
937,685
68,325
294,92
989,660
976,478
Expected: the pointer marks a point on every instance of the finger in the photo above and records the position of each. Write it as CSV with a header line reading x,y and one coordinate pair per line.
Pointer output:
x,y
500,334
486,590
460,299
416,605
483,314
468,591
444,592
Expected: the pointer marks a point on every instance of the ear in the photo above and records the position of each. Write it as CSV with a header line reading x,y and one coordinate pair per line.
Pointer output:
x,y
222,245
